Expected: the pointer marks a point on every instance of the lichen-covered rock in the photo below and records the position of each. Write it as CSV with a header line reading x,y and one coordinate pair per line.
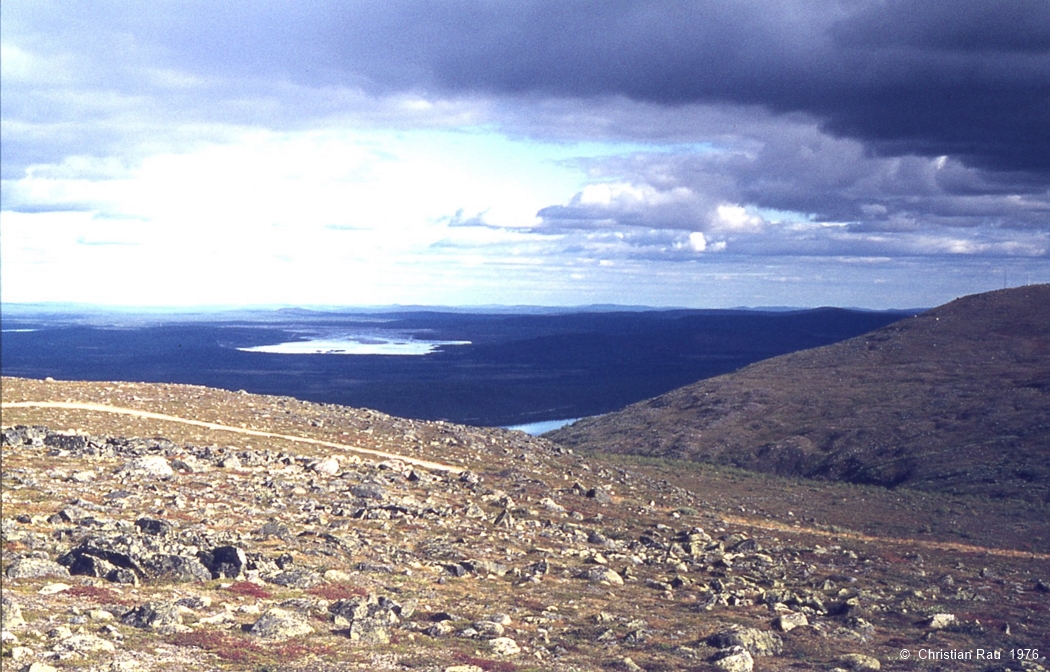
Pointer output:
x,y
757,642
279,623
940,621
736,659
600,574
504,646
155,466
83,645
789,620
35,568
10,613
153,615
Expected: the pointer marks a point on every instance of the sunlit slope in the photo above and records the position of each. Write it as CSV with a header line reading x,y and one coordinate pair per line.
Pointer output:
x,y
954,399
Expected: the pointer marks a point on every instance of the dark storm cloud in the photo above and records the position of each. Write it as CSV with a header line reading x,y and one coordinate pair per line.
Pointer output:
x,y
966,78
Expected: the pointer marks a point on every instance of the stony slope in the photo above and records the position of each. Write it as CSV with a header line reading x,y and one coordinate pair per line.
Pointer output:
x,y
956,399
196,548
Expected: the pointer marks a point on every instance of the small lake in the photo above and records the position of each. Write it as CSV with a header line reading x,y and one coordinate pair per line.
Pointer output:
x,y
537,428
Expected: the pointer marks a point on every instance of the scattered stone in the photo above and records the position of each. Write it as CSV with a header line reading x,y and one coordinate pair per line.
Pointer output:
x,y
10,613
757,642
230,462
329,466
20,653
860,662
224,562
368,491
154,466
940,621
368,619
735,659
601,574
504,646
154,527
488,629
789,620
299,577
83,645
153,615
599,495
279,623
630,665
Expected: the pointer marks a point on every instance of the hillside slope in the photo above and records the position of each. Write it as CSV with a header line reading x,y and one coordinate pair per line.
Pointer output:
x,y
955,399
182,528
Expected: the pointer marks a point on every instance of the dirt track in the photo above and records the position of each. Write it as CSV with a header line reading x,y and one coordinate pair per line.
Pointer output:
x,y
435,466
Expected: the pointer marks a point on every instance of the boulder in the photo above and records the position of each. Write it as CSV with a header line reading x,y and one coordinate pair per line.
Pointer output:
x,y
504,646
736,659
279,623
601,574
10,613
224,562
155,466
153,615
940,621
756,642
83,645
35,568
789,620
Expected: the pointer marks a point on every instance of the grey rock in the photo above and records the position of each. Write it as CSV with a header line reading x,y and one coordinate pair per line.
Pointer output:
x,y
370,631
859,662
10,613
940,621
601,574
279,623
155,466
757,642
789,620
176,568
296,578
153,615
368,491
156,527
504,646
224,562
439,629
35,568
599,495
736,659
488,629
83,645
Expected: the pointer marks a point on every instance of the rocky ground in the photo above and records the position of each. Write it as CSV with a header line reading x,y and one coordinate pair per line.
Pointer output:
x,y
135,543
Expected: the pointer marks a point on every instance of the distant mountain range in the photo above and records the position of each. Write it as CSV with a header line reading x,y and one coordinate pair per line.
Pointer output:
x,y
956,399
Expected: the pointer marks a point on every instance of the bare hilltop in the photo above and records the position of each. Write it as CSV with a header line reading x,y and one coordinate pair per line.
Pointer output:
x,y
956,399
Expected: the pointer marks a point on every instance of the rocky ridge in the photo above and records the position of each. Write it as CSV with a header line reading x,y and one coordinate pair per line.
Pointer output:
x,y
213,550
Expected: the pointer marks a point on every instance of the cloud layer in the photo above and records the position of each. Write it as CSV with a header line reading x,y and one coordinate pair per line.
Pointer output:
x,y
616,140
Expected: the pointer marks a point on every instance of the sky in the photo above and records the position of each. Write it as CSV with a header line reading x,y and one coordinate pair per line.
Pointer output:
x,y
700,153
